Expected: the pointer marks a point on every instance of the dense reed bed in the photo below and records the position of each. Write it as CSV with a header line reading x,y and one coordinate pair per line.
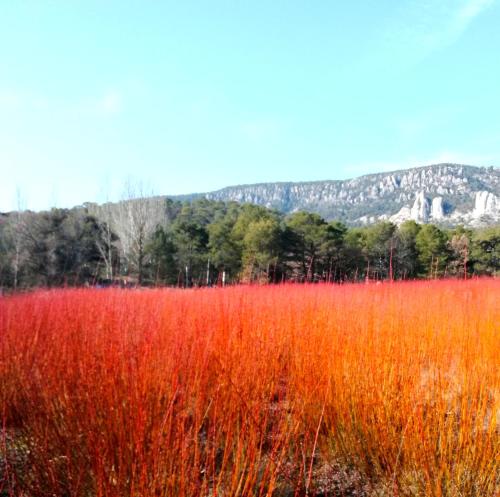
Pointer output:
x,y
388,389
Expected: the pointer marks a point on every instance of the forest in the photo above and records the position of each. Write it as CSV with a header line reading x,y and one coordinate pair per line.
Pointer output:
x,y
161,242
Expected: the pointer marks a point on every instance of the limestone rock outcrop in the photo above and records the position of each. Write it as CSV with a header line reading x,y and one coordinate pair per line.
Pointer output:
x,y
441,193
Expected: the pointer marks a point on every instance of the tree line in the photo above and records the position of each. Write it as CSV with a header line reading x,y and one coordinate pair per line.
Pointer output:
x,y
160,242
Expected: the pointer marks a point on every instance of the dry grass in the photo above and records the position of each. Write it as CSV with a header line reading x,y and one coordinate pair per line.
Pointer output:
x,y
390,390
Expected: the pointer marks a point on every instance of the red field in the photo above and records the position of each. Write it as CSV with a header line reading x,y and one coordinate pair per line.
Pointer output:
x,y
389,389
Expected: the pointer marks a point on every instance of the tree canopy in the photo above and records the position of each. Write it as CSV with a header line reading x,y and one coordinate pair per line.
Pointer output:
x,y
165,242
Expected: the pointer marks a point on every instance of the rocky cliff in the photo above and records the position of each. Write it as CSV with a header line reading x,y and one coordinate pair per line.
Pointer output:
x,y
442,193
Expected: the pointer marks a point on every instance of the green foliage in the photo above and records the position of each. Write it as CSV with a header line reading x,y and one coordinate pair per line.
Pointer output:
x,y
379,245
406,258
261,249
51,248
431,244
191,240
224,250
486,251
196,243
162,251
309,237
6,250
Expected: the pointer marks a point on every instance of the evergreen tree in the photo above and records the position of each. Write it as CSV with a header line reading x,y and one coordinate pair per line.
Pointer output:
x,y
163,268
261,250
224,249
485,252
406,257
379,248
431,243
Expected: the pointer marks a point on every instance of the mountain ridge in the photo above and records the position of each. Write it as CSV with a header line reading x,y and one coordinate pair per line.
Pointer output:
x,y
443,193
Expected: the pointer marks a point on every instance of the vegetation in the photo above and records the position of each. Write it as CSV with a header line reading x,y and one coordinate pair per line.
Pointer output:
x,y
368,390
153,241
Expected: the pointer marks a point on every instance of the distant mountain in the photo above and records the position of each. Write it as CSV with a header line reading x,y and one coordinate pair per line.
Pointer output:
x,y
447,194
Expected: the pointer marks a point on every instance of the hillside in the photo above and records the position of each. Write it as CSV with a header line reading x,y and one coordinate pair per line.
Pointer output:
x,y
445,194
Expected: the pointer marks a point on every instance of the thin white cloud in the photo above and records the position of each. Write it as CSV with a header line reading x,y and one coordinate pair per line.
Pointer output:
x,y
469,11
432,25
458,22
110,103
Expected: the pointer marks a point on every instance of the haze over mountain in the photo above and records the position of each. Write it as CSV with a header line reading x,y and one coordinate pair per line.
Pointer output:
x,y
447,194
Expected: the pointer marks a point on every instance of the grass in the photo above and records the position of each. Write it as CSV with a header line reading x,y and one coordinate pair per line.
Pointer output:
x,y
388,389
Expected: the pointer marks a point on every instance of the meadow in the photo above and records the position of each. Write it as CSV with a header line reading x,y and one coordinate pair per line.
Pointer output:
x,y
388,389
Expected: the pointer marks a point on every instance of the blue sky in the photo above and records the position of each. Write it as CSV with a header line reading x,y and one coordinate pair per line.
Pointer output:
x,y
196,95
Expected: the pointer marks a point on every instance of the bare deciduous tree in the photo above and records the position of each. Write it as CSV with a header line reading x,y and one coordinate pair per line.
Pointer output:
x,y
135,220
16,232
105,242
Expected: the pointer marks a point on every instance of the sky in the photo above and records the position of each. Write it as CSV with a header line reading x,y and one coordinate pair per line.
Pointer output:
x,y
191,96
